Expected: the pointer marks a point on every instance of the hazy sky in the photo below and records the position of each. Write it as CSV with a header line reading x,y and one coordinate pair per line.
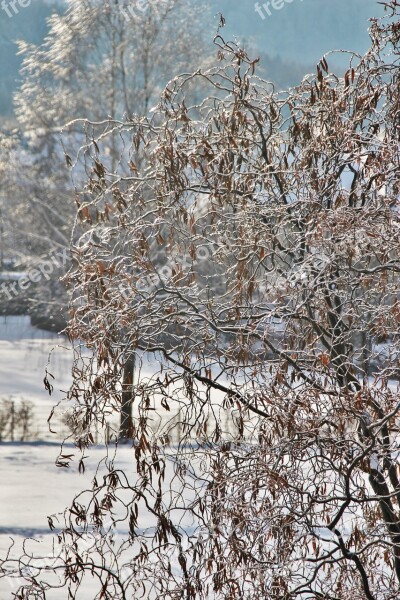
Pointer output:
x,y
301,30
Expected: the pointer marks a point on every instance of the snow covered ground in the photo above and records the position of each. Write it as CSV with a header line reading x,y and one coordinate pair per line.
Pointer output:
x,y
32,487
25,352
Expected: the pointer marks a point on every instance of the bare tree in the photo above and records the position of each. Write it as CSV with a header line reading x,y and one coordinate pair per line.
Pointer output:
x,y
252,265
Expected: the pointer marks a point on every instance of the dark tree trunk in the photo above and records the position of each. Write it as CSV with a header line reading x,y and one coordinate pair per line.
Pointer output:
x,y
126,423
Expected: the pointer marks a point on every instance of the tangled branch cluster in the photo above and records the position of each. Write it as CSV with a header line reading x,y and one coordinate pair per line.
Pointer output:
x,y
276,356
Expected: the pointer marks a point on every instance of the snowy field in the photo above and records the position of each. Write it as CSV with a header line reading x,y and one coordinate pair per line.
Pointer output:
x,y
32,487
25,353
35,488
